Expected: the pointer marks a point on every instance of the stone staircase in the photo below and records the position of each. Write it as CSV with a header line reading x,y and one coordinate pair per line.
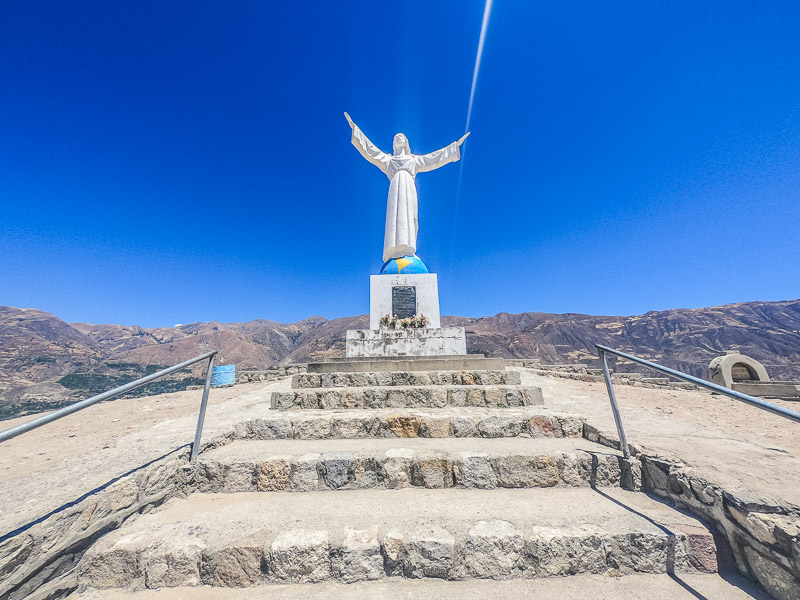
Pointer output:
x,y
361,476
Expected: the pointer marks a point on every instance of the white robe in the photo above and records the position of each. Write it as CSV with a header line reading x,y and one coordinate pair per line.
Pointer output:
x,y
402,224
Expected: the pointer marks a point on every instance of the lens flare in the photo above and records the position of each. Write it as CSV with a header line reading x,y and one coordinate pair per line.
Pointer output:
x,y
487,11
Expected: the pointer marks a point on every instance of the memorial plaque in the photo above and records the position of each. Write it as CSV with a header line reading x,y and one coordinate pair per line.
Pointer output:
x,y
404,301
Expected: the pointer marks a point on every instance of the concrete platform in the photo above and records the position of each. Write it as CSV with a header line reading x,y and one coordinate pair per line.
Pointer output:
x,y
407,363
309,465
433,396
687,586
414,533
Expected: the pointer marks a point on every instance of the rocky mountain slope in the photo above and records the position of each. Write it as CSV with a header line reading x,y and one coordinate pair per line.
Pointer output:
x,y
45,361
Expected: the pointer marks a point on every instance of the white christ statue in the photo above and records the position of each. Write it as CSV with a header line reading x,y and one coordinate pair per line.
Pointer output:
x,y
401,167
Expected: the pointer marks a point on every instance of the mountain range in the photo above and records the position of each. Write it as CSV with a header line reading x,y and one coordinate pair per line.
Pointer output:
x,y
45,361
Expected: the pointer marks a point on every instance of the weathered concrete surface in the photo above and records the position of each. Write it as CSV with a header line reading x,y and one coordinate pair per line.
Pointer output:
x,y
407,396
450,534
280,465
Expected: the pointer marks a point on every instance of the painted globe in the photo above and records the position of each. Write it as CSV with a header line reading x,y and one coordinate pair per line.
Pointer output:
x,y
408,265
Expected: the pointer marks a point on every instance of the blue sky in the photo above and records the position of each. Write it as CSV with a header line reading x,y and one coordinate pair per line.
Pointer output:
x,y
171,162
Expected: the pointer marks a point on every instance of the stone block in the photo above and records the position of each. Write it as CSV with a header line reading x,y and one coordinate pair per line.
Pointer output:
x,y
354,398
464,427
300,556
239,477
428,554
438,397
397,467
367,472
404,426
274,475
474,470
500,426
311,428
476,397
114,569
457,396
493,549
432,469
543,426
234,566
495,396
269,429
520,471
304,476
359,558
391,548
346,427
308,399
172,565
575,468
330,399
555,552
637,553
282,400
435,427
337,469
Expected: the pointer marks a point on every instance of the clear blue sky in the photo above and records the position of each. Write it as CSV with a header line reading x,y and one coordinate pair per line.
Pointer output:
x,y
171,162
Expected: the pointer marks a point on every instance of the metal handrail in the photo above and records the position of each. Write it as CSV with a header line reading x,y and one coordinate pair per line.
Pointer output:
x,y
68,410
757,402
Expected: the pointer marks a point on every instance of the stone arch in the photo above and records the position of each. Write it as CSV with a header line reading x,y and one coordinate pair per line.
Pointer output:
x,y
734,368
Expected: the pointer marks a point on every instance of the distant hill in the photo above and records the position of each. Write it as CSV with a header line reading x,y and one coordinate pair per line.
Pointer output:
x,y
45,361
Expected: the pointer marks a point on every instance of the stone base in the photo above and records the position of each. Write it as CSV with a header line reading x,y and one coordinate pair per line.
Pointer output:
x,y
445,341
371,364
789,390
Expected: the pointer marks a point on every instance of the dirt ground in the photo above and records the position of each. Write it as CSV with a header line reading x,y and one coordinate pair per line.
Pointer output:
x,y
100,425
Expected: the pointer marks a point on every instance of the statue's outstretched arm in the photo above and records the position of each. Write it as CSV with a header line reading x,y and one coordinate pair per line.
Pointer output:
x,y
439,158
366,148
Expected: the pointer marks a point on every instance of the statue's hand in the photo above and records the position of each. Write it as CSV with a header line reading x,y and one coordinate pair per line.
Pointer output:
x,y
461,141
349,120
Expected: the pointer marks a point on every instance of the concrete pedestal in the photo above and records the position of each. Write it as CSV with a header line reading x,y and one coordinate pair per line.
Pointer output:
x,y
406,342
425,290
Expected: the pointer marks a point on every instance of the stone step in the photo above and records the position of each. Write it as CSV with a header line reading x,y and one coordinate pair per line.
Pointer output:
x,y
433,396
690,586
405,378
313,465
408,423
240,540
457,362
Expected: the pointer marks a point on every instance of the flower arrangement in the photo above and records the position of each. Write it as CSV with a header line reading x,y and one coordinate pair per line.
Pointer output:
x,y
394,322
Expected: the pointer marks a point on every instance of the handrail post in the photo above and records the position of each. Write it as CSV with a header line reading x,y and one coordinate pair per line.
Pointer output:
x,y
623,442
201,417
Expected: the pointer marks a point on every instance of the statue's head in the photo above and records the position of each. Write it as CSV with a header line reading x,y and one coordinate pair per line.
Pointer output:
x,y
400,143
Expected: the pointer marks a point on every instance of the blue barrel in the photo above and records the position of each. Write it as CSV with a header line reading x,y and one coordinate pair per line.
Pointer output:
x,y
223,375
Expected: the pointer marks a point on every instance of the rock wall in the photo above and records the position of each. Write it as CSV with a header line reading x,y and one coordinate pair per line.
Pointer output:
x,y
763,535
